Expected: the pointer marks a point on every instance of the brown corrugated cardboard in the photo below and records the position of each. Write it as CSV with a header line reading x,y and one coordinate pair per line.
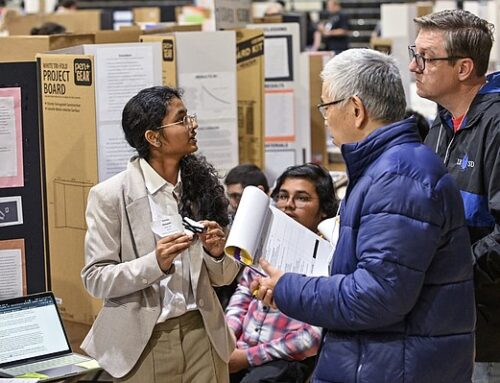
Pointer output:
x,y
250,76
84,21
381,44
79,141
69,130
146,15
173,28
169,69
318,136
424,8
25,48
121,36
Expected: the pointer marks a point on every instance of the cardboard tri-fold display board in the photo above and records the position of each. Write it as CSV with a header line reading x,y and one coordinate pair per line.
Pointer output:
x,y
206,71
251,102
249,80
25,48
287,133
168,57
313,65
82,96
68,118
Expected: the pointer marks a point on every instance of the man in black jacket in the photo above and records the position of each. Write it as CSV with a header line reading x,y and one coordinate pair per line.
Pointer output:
x,y
335,32
450,59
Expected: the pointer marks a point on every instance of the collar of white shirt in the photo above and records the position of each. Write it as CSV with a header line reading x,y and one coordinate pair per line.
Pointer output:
x,y
154,181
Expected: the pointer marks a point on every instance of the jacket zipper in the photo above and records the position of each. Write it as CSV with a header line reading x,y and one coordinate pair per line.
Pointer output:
x,y
447,153
360,363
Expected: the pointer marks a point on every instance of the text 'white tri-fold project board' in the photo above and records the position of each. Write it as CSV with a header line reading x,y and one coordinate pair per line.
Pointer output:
x,y
83,92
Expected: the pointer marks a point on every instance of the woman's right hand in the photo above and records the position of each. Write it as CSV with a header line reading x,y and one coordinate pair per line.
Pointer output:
x,y
170,247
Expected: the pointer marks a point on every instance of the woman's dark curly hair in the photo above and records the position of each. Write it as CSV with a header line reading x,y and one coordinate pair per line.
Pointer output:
x,y
320,178
202,196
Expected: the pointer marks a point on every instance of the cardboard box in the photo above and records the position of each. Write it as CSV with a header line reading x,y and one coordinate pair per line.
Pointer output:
x,y
84,21
147,15
25,48
268,19
121,36
251,102
317,61
381,45
424,8
162,28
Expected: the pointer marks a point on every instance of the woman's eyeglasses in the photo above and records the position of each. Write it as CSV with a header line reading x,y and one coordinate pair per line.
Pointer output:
x,y
299,200
188,121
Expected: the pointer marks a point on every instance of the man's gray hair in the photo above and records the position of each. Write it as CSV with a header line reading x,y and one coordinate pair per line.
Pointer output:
x,y
372,76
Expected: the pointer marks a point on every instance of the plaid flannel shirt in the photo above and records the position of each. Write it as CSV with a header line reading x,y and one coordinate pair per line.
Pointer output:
x,y
265,333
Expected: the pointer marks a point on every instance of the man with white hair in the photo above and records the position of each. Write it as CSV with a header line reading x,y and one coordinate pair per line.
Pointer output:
x,y
398,305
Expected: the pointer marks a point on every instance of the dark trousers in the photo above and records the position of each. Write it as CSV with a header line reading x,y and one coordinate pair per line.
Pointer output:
x,y
278,371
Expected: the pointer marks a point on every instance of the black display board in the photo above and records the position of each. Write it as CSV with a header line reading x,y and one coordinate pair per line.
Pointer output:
x,y
23,75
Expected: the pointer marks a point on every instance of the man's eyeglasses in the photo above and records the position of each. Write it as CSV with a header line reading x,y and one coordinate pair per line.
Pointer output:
x,y
299,200
323,107
188,121
421,60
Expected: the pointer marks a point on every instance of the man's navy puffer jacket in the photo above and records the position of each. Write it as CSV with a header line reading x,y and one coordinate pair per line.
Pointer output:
x,y
399,304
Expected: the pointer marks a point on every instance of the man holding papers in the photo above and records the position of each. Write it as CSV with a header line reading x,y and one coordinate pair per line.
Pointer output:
x,y
270,345
398,305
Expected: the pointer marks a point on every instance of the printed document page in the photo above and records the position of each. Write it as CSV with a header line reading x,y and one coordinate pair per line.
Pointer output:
x,y
260,230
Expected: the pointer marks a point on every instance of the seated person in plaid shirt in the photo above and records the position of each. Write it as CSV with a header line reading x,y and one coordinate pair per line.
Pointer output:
x,y
270,345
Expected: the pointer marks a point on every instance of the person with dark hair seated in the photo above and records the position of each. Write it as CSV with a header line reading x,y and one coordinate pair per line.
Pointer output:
x,y
160,320
240,177
270,346
48,28
237,179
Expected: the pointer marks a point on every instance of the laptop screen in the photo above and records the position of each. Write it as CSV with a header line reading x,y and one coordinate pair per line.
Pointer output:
x,y
30,329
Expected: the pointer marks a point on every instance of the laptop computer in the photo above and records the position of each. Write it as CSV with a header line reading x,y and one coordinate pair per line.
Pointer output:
x,y
33,342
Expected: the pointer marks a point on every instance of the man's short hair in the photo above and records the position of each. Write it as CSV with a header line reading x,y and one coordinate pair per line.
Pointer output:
x,y
466,35
372,76
247,175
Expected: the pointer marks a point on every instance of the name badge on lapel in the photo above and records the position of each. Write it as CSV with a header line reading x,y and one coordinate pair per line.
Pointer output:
x,y
169,224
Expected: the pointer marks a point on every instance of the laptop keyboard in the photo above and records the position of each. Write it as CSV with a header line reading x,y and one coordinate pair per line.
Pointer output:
x,y
46,364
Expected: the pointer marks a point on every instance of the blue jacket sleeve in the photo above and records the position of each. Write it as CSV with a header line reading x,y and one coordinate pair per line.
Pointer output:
x,y
395,245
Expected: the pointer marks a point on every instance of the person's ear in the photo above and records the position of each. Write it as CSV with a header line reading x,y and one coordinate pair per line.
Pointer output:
x,y
465,68
358,111
261,188
153,138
